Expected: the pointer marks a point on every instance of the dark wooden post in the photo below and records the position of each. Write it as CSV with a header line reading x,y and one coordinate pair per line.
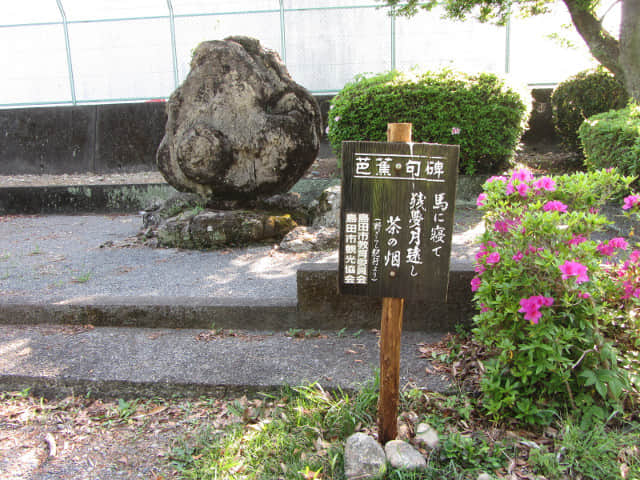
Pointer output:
x,y
390,336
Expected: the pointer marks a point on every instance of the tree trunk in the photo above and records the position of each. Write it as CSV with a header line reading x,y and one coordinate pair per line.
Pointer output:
x,y
602,45
621,57
630,47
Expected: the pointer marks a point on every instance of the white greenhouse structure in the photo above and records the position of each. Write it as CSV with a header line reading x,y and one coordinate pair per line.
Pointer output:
x,y
68,52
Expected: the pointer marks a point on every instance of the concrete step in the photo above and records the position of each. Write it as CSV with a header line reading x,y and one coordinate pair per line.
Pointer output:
x,y
318,306
81,270
319,302
107,362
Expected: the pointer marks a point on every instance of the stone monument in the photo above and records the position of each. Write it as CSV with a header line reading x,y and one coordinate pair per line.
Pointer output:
x,y
240,132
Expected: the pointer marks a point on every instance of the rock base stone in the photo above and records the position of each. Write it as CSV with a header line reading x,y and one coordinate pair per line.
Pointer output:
x,y
402,455
364,458
211,229
311,239
427,436
189,221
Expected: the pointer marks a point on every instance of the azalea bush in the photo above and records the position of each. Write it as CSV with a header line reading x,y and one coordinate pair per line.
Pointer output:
x,y
554,302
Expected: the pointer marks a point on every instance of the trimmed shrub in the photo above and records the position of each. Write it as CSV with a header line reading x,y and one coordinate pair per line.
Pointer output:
x,y
612,139
479,112
581,96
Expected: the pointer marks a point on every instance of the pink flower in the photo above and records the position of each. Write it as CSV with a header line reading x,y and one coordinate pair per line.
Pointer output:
x,y
475,284
501,226
531,307
574,269
493,258
518,256
498,178
545,183
631,201
630,290
480,269
455,131
522,175
605,249
484,308
635,255
510,188
608,248
531,249
523,188
619,242
577,240
623,271
554,205
483,252
481,198
584,295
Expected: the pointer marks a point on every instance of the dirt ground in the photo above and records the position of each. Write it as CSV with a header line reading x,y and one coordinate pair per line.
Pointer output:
x,y
80,438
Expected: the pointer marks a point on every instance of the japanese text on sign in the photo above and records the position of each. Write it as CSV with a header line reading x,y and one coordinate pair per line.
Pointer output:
x,y
400,167
397,219
356,248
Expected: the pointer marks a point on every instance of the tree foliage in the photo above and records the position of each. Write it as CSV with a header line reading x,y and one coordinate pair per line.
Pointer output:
x,y
619,52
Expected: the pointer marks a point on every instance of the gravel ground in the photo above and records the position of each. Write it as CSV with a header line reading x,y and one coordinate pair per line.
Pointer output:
x,y
58,258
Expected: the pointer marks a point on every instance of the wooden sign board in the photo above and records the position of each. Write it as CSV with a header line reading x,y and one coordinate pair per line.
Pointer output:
x,y
398,202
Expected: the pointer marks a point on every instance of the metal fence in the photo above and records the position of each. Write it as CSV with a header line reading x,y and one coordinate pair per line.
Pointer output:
x,y
101,51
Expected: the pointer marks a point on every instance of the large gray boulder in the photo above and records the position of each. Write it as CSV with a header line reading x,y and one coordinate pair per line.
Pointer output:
x,y
238,127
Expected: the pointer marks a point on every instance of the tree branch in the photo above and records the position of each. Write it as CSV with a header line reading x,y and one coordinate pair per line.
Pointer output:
x,y
602,45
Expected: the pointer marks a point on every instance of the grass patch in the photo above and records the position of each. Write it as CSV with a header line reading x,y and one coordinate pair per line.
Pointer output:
x,y
84,278
300,434
297,434
595,453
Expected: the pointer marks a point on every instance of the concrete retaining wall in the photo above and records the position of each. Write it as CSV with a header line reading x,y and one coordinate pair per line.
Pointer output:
x,y
125,137
100,138
61,200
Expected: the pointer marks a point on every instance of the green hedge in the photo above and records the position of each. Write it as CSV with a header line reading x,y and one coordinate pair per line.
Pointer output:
x,y
612,139
479,112
581,96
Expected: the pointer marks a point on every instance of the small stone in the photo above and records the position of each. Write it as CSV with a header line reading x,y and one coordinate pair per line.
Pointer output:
x,y
363,458
404,432
402,455
306,239
484,476
327,210
427,436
